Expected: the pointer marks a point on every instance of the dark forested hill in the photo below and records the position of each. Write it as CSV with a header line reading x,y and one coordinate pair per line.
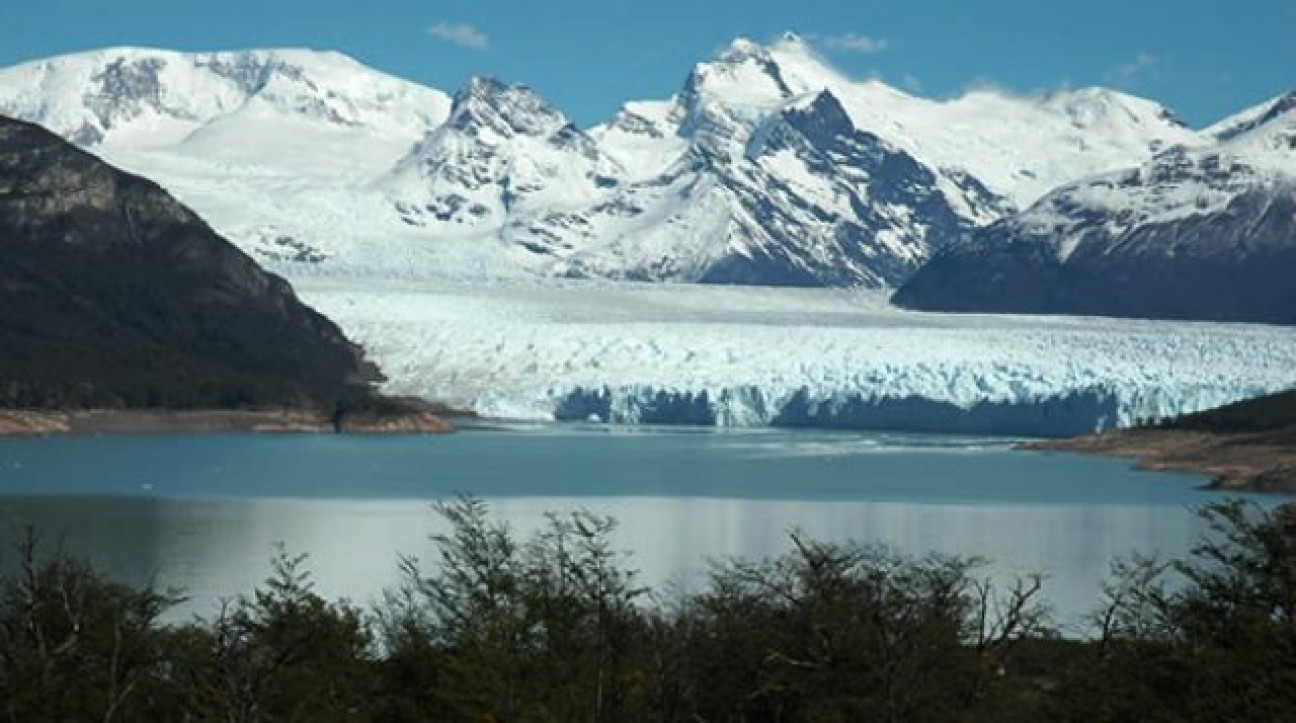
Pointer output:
x,y
1271,413
113,294
1250,445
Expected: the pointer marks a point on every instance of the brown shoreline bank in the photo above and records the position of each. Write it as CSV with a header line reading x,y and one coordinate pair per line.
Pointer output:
x,y
26,423
1235,461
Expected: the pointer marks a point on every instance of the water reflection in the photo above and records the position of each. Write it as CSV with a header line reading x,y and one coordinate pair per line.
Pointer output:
x,y
220,547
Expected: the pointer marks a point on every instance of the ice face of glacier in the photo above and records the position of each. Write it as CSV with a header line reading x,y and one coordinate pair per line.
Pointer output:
x,y
1068,413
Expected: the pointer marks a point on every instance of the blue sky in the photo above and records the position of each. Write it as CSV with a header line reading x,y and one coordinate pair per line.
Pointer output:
x,y
1203,59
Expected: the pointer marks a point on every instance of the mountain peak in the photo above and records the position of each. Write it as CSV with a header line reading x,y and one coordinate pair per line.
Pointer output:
x,y
505,109
743,75
1095,104
1279,107
741,49
482,86
1255,117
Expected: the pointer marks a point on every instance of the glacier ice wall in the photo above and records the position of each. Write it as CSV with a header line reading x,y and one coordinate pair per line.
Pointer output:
x,y
678,354
1064,414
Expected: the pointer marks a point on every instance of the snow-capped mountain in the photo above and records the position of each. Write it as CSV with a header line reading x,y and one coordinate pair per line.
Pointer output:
x,y
267,145
768,166
1207,232
801,197
116,296
505,160
144,98
1020,147
1253,117
741,179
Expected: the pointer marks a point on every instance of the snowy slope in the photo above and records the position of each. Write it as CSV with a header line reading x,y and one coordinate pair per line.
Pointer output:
x,y
1205,232
1023,147
669,353
144,98
1182,182
1252,118
878,181
1255,152
269,146
506,159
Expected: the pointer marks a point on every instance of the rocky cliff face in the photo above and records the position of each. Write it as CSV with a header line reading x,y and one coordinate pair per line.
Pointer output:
x,y
116,295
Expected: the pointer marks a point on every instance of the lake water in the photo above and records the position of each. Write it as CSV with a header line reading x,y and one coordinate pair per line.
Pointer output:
x,y
204,513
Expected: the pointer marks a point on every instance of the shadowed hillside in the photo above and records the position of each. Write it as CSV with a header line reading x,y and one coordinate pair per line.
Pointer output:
x,y
114,295
1250,445
1271,413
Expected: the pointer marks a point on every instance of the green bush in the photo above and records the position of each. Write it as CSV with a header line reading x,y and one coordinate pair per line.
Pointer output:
x,y
556,628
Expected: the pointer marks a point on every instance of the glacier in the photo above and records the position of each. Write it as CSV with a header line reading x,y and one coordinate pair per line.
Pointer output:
x,y
731,356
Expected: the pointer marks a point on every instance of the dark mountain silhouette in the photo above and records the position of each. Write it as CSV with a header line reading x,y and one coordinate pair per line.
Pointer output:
x,y
114,295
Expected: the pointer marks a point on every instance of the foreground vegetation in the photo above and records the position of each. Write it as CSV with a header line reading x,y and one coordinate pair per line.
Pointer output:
x,y
555,628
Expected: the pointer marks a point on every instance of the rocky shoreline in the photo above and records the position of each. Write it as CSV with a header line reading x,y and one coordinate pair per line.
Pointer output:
x,y
1263,462
412,420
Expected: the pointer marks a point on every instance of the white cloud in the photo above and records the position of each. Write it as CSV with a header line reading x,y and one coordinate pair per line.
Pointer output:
x,y
856,43
1140,67
461,34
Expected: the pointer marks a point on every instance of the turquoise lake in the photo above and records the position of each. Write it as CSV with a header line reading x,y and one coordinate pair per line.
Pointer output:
x,y
204,513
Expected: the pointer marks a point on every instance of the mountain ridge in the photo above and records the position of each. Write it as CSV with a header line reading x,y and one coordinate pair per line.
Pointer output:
x,y
680,189
1194,233
147,85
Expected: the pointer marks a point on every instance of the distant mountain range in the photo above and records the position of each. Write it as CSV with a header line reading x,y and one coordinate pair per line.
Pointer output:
x,y
1200,232
766,167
